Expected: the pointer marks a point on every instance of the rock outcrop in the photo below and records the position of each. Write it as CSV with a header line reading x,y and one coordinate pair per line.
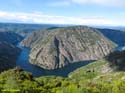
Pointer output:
x,y
59,47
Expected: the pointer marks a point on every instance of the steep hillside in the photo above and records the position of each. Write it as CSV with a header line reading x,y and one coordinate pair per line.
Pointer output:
x,y
117,60
10,37
8,50
59,47
33,37
116,36
8,55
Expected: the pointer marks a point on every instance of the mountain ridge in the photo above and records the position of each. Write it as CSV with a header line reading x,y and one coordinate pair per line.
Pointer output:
x,y
65,45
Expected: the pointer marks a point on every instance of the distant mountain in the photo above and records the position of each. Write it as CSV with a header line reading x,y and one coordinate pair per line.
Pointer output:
x,y
122,28
116,36
24,29
56,48
10,37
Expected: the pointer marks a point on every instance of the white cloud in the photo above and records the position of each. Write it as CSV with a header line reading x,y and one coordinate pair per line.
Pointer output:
x,y
38,17
119,3
59,3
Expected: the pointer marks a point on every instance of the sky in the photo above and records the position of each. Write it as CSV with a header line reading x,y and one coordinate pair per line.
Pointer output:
x,y
80,12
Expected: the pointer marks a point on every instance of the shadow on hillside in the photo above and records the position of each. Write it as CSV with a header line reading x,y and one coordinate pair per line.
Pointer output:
x,y
117,60
116,36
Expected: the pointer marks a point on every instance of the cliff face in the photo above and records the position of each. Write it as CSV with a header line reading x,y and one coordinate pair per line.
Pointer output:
x,y
61,46
33,38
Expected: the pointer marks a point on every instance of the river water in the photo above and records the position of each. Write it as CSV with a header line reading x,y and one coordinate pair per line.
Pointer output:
x,y
23,62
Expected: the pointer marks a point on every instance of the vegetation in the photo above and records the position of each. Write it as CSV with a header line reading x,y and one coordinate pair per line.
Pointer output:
x,y
117,60
93,78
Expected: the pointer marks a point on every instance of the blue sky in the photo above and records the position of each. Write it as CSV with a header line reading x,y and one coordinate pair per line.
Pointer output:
x,y
83,12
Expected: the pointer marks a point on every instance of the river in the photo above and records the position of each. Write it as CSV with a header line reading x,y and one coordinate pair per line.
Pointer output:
x,y
23,62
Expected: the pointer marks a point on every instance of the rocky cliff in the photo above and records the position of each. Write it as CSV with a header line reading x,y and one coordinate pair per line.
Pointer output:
x,y
33,38
59,47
